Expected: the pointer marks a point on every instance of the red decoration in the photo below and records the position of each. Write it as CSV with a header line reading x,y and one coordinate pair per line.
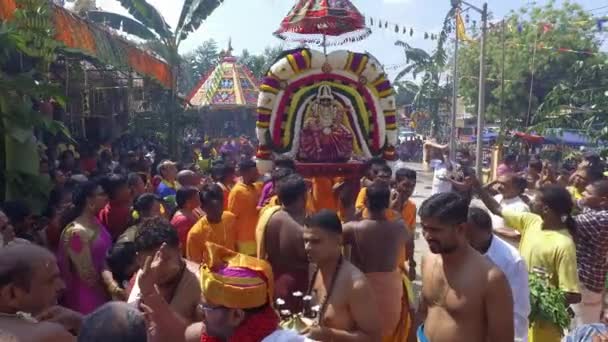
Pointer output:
x,y
310,21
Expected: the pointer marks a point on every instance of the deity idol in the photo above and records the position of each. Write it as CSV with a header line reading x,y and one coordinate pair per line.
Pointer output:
x,y
324,137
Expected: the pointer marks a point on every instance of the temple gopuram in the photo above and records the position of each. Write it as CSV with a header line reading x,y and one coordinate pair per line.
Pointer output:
x,y
226,98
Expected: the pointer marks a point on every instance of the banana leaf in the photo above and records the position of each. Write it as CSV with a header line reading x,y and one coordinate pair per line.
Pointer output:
x,y
148,16
193,14
120,22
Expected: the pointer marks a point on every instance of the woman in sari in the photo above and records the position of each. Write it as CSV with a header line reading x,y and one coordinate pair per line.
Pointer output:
x,y
82,251
187,214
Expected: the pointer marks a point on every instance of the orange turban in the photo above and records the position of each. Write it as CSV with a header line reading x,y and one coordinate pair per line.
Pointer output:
x,y
236,281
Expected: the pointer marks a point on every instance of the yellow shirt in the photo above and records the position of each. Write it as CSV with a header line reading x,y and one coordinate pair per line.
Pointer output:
x,y
243,202
553,251
222,233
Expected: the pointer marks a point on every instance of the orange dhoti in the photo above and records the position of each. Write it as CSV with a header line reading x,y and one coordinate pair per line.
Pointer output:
x,y
393,304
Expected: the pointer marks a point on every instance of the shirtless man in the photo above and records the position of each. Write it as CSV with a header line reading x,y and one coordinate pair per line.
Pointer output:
x,y
29,286
176,282
464,296
280,240
347,309
378,245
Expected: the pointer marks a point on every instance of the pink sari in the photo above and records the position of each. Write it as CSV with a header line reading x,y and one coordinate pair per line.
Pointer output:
x,y
81,256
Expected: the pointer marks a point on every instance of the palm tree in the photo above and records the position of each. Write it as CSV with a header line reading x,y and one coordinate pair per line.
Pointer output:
x,y
430,93
150,25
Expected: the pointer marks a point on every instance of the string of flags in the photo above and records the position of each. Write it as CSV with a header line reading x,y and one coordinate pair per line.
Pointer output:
x,y
376,23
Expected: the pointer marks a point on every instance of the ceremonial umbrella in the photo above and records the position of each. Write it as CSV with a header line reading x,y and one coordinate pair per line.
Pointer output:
x,y
323,22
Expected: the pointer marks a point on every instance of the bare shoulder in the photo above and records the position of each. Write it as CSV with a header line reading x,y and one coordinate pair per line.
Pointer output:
x,y
496,276
354,275
194,332
51,332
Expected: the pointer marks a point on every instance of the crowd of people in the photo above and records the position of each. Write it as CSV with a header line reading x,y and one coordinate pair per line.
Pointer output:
x,y
211,250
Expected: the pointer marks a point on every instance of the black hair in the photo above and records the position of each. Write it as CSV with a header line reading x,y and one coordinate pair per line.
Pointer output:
x,y
280,173
536,165
374,161
153,232
247,164
82,192
520,184
326,220
284,162
510,158
386,169
601,187
184,194
480,219
378,196
133,178
143,203
290,189
116,322
217,171
16,211
448,207
112,183
559,200
405,173
211,192
119,258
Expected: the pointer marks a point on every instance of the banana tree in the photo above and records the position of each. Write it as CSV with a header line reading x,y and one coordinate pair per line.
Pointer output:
x,y
150,25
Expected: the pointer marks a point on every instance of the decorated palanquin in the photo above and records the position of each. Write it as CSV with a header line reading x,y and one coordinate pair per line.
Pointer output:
x,y
226,98
329,113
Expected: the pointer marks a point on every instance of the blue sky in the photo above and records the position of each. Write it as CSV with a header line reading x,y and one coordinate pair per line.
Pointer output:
x,y
250,23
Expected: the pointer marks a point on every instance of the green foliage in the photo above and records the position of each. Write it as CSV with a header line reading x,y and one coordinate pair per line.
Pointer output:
x,y
259,64
560,78
27,37
197,64
193,13
149,17
128,25
429,95
547,303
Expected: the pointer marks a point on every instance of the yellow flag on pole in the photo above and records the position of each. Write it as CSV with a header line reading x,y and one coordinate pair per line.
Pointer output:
x,y
460,29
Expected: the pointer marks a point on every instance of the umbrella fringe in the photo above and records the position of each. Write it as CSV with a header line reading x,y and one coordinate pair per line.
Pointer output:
x,y
317,39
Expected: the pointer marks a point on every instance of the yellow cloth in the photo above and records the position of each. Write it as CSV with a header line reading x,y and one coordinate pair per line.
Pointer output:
x,y
396,320
260,230
243,202
360,202
576,195
222,234
553,251
237,292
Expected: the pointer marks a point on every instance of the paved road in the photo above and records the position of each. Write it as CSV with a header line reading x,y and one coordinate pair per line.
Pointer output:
x,y
422,192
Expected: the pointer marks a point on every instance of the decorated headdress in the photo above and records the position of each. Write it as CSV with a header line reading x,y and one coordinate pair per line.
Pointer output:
x,y
325,93
236,280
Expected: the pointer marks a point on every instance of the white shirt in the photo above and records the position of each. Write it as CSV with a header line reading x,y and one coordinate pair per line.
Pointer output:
x,y
440,182
286,336
514,204
510,262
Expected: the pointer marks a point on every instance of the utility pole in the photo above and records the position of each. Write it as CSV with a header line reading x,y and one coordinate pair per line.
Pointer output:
x,y
481,104
481,110
454,98
502,80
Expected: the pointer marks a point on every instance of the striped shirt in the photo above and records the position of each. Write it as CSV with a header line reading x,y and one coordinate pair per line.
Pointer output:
x,y
592,248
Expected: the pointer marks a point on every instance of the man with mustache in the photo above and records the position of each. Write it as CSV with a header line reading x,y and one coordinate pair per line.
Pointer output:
x,y
461,288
